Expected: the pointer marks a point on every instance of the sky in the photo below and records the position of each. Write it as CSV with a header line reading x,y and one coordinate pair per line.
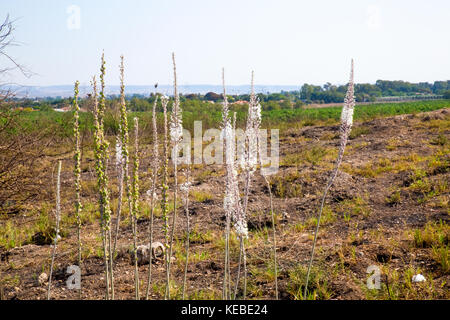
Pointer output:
x,y
286,42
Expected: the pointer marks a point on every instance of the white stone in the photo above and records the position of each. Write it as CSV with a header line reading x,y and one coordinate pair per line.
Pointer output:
x,y
418,278
143,251
43,278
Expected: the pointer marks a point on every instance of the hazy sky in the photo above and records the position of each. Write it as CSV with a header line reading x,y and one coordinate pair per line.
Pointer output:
x,y
285,42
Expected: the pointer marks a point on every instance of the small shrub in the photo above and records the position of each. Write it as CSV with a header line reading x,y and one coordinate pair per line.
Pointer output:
x,y
317,286
201,196
315,154
440,255
433,234
394,198
286,186
440,140
354,207
358,131
328,217
196,236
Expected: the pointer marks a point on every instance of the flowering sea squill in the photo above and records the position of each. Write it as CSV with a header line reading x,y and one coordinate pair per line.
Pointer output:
x,y
345,128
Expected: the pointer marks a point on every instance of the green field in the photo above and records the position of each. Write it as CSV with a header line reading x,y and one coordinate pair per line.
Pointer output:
x,y
210,114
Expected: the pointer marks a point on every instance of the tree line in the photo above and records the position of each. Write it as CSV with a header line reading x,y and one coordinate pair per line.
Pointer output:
x,y
308,93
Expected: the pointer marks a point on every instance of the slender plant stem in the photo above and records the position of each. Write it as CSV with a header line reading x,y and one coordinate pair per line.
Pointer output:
x,y
345,128
105,255
273,238
125,161
108,233
231,197
119,208
175,123
102,176
245,269
136,271
239,268
58,217
241,243
247,191
110,256
174,216
165,188
229,221
153,189
330,182
188,231
150,231
79,258
135,192
226,279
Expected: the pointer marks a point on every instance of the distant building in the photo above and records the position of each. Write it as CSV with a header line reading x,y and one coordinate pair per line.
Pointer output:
x,y
63,109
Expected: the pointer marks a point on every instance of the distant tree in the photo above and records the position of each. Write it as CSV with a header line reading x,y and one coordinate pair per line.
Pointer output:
x,y
298,104
46,108
447,94
212,96
192,96
286,104
440,86
270,105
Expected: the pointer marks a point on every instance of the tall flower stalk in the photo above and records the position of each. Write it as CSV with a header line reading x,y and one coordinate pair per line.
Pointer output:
x,y
125,161
101,155
164,196
135,198
176,134
58,218
77,170
229,200
103,187
232,202
155,168
249,162
345,128
99,168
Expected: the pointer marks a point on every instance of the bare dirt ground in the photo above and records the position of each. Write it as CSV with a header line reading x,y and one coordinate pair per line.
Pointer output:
x,y
391,188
